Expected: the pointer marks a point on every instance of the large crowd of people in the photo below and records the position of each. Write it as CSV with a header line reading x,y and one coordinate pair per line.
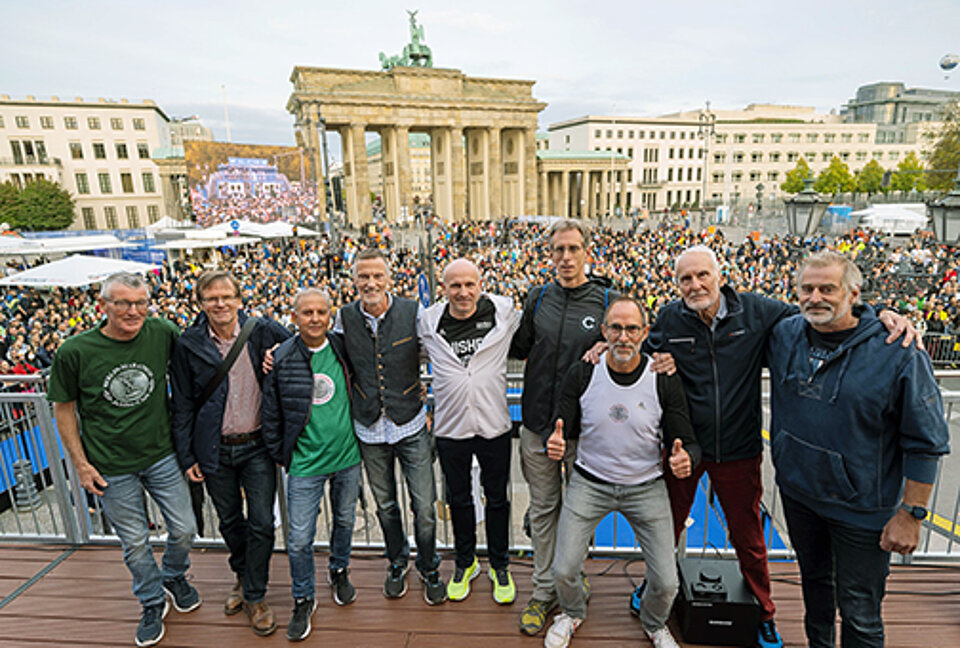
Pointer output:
x,y
917,278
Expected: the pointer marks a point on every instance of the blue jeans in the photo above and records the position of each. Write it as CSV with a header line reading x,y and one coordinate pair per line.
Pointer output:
x,y
303,504
123,504
840,566
415,454
647,508
250,538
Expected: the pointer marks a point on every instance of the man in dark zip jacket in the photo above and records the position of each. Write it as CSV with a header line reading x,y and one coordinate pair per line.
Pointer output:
x,y
560,321
857,434
219,441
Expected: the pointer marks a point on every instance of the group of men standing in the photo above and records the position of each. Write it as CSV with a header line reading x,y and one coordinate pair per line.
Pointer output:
x,y
616,416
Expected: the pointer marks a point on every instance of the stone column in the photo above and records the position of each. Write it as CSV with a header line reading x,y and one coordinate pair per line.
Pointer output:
x,y
457,173
603,193
355,171
528,164
623,191
544,194
494,169
388,172
403,170
311,117
440,173
591,197
565,194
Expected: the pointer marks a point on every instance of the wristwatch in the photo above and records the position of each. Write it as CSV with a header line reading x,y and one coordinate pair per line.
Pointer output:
x,y
919,512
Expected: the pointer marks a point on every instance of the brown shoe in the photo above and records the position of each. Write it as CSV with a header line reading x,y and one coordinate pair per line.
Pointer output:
x,y
262,619
234,602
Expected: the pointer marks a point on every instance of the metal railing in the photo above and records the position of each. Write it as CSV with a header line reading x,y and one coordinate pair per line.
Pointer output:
x,y
41,499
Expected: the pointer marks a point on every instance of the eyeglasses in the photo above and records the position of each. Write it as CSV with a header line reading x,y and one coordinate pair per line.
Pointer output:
x,y
126,304
633,330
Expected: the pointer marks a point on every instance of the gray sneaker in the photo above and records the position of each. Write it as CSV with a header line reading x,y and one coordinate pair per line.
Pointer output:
x,y
396,584
434,591
344,592
299,627
150,630
184,595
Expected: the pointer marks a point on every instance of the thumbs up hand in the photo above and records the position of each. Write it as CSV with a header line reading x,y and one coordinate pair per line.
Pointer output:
x,y
680,460
555,444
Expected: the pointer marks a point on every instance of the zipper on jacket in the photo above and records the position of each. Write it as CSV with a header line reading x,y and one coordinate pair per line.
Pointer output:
x,y
716,393
556,351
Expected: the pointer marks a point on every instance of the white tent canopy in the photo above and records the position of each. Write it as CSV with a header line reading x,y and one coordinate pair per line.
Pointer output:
x,y
169,223
203,242
893,218
276,229
15,245
75,270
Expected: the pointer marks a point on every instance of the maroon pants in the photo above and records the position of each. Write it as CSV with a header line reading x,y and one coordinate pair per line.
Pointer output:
x,y
738,487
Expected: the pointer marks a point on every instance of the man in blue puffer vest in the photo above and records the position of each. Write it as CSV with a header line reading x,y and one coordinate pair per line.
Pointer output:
x,y
858,431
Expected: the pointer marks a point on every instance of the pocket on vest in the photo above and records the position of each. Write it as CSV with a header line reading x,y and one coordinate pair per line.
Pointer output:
x,y
816,471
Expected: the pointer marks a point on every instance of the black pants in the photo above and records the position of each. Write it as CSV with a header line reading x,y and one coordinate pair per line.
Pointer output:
x,y
456,460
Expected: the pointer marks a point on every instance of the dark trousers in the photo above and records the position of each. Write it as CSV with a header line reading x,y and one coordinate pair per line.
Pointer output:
x,y
840,566
456,461
249,538
738,487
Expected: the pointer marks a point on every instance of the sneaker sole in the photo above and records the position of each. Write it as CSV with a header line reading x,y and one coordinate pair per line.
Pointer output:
x,y
265,633
183,610
163,629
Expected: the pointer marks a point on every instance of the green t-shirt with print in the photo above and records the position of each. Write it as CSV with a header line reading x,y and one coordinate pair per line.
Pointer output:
x,y
327,444
120,388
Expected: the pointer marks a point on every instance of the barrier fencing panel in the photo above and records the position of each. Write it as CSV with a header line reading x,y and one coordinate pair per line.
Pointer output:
x,y
41,500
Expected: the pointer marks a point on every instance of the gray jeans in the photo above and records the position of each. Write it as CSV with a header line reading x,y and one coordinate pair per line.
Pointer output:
x,y
545,483
647,509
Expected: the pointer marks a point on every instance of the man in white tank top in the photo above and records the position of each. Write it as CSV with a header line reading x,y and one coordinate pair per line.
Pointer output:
x,y
623,414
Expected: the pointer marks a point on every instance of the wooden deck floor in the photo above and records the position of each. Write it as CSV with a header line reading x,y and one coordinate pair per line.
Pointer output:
x,y
52,596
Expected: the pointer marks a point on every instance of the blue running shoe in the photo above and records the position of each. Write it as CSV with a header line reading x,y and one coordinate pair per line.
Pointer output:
x,y
636,599
767,635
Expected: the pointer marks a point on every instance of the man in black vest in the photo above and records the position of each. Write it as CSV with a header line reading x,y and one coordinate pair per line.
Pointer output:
x,y
380,334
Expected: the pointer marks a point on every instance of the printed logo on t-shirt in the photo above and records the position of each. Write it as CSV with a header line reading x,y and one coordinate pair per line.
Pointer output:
x,y
128,385
323,389
588,323
619,413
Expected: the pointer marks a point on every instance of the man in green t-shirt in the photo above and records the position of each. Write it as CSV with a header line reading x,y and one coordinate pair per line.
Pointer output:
x,y
114,379
307,427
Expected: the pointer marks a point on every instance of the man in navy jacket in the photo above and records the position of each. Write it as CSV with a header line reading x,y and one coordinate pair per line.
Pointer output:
x,y
858,431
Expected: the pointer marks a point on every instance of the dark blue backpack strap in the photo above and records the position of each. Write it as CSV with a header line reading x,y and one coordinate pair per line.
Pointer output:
x,y
540,299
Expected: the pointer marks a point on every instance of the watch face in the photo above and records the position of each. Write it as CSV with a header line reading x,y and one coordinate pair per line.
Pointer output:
x,y
919,512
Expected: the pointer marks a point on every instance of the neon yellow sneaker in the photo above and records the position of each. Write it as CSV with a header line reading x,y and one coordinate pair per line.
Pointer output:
x,y
459,586
504,591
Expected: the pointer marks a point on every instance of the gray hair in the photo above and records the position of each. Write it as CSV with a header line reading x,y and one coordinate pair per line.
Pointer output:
x,y
307,292
696,249
852,277
129,279
371,253
567,224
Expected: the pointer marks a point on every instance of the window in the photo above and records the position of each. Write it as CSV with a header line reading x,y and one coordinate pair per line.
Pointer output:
x,y
811,138
736,176
718,176
46,122
773,176
116,123
719,158
699,174
669,174
22,121
609,134
17,152
126,181
738,157
104,180
93,123
99,151
89,220
670,154
845,156
792,156
673,134
122,151
76,151
620,134
83,184
1,121
70,123
721,138
794,137
143,151
861,156
775,156
663,134
754,176
826,157
596,133
133,218
153,213
893,155
846,137
756,156
629,134
863,137
639,134
683,134
110,214
810,155
630,153
776,138
758,138
680,153
739,138
878,155
829,137
689,174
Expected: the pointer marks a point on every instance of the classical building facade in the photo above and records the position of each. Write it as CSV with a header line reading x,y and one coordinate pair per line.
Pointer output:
x,y
577,184
482,136
421,181
99,151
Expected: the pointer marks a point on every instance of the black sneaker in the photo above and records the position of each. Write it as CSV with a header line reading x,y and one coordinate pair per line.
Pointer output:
x,y
434,591
184,595
299,627
396,584
150,630
344,592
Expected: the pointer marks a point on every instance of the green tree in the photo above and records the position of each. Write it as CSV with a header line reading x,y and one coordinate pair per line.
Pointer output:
x,y
796,176
945,149
870,178
10,203
836,178
908,174
45,205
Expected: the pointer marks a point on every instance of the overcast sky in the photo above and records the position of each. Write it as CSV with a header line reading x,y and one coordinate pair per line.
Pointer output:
x,y
632,57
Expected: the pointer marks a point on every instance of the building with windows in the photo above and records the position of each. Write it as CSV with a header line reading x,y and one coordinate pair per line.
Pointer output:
x,y
672,163
99,151
420,180
900,112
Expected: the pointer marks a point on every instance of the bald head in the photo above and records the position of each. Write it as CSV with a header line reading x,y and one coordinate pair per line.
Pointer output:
x,y
462,286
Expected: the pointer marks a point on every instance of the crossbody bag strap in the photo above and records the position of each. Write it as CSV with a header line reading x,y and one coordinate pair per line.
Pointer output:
x,y
227,363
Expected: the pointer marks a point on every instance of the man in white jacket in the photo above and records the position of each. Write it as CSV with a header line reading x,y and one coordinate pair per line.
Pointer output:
x,y
467,338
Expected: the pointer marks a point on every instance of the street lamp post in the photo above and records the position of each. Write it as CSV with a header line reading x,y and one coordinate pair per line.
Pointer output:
x,y
945,214
759,202
706,127
805,210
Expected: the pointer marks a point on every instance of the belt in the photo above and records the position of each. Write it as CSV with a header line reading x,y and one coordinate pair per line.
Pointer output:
x,y
239,439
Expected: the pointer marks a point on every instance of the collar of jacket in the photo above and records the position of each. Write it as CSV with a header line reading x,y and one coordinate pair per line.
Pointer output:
x,y
734,304
196,338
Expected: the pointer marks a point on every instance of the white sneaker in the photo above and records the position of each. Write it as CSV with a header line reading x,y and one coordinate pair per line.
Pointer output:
x,y
559,634
662,638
